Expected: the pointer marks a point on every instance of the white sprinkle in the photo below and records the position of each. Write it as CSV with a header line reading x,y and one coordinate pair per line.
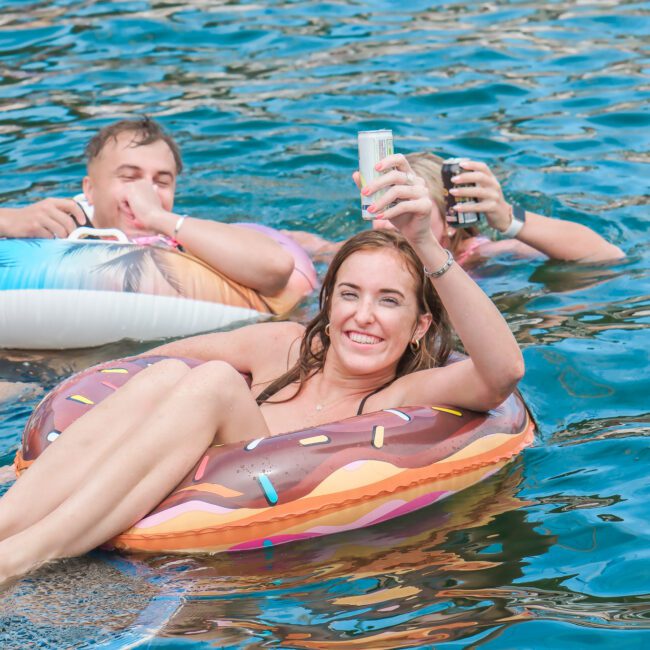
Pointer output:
x,y
399,414
253,443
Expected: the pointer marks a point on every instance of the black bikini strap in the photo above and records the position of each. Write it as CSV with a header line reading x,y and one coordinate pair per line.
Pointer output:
x,y
362,403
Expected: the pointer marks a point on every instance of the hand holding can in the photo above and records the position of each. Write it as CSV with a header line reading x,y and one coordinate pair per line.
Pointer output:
x,y
373,147
476,181
450,168
405,202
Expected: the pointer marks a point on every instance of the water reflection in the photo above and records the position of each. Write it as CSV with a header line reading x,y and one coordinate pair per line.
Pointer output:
x,y
603,428
382,587
265,99
48,367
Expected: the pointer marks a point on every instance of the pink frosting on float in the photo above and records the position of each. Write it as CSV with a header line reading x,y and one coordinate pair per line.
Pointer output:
x,y
352,467
368,519
176,511
420,502
383,513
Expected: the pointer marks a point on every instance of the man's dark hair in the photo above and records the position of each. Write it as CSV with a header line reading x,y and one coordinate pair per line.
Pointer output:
x,y
145,131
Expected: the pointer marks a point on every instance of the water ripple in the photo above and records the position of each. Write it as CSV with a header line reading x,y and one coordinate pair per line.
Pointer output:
x,y
265,99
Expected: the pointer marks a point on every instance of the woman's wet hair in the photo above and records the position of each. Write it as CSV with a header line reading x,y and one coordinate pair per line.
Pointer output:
x,y
435,345
429,167
145,131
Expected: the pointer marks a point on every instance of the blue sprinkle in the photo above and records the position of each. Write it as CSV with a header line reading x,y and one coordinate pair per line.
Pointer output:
x,y
267,543
269,491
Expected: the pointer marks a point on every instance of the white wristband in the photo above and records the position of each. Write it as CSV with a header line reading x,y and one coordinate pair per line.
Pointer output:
x,y
179,225
518,218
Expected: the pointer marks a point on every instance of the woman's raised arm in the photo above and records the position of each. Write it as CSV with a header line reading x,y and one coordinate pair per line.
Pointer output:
x,y
556,238
495,363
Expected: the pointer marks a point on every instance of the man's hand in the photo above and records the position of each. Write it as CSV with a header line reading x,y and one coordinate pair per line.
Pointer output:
x,y
47,219
145,205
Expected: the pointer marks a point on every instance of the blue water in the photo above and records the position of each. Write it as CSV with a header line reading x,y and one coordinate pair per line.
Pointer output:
x,y
265,99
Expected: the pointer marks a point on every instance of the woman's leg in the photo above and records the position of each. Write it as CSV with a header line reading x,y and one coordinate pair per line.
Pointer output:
x,y
212,402
66,463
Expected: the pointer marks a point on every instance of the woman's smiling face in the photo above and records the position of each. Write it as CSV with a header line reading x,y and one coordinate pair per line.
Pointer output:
x,y
374,312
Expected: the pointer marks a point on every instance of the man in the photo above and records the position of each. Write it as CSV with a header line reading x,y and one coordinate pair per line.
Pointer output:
x,y
132,167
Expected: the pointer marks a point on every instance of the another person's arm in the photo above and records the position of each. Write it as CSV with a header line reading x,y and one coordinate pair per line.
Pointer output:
x,y
243,254
317,247
46,219
556,238
495,363
244,348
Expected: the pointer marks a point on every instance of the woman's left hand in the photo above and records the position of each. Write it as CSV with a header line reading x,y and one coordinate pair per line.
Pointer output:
x,y
486,189
406,204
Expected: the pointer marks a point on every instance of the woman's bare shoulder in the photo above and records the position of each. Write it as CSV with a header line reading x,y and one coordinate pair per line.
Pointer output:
x,y
277,339
275,349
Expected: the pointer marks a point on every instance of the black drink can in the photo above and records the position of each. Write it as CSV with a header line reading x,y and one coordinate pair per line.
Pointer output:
x,y
452,167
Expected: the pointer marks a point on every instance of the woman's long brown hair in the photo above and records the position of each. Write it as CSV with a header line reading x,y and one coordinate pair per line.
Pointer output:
x,y
435,346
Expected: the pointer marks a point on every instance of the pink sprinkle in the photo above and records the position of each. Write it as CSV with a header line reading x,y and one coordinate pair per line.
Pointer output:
x,y
201,470
109,385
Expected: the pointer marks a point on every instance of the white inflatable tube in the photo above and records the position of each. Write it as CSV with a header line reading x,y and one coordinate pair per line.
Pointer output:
x,y
57,294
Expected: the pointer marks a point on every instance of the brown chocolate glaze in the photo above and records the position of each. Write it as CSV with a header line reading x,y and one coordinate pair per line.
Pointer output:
x,y
292,469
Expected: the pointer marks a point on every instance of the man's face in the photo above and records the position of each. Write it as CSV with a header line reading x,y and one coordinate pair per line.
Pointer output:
x,y
123,161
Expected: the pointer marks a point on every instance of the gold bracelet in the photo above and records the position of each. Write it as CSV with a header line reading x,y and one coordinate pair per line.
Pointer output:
x,y
443,269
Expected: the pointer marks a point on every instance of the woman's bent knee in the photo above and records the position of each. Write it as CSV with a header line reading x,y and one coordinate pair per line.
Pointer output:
x,y
167,371
169,366
217,371
215,380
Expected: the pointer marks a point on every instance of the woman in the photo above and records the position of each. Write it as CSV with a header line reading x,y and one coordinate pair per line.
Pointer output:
x,y
535,235
378,342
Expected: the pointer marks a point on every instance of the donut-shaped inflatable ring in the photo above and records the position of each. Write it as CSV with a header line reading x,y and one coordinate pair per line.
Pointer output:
x,y
318,481
57,293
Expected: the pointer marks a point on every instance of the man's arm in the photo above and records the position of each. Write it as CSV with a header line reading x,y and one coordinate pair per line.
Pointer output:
x,y
243,254
44,220
556,238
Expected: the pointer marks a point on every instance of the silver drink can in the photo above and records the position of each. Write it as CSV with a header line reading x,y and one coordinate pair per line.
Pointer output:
x,y
451,167
373,147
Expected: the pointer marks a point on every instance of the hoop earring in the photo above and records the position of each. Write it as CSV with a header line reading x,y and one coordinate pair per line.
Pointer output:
x,y
414,345
327,330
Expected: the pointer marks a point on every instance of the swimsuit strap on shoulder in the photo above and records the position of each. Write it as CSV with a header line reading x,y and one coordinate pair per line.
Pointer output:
x,y
362,403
